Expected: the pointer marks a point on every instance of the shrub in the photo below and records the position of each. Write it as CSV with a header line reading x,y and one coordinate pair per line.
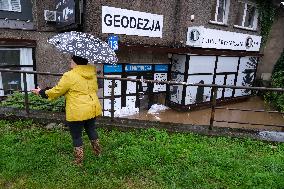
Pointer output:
x,y
16,100
277,81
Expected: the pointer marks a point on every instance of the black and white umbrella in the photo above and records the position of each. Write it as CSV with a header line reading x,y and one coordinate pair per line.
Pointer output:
x,y
84,45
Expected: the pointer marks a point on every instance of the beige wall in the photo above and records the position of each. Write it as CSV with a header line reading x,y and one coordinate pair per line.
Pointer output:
x,y
202,10
176,18
273,48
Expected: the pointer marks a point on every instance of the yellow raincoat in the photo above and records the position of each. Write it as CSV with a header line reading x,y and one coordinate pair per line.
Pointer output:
x,y
79,86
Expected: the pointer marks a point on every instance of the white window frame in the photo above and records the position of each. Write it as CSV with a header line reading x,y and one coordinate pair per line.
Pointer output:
x,y
255,19
10,7
225,16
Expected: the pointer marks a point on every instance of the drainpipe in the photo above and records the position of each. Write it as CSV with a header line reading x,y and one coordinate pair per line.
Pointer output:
x,y
83,8
176,21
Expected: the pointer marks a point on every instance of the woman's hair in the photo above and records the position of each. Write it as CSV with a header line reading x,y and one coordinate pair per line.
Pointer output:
x,y
79,60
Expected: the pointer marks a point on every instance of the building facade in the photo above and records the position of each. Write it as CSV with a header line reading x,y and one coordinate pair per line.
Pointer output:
x,y
162,40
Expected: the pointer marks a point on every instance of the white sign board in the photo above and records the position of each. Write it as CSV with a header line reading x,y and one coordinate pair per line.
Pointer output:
x,y
218,39
123,21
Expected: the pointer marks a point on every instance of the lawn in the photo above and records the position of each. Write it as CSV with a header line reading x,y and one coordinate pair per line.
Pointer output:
x,y
33,157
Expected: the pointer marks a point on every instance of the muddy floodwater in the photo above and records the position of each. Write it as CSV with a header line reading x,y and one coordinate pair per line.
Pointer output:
x,y
202,117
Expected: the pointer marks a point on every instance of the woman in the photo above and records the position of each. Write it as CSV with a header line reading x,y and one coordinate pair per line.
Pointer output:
x,y
79,86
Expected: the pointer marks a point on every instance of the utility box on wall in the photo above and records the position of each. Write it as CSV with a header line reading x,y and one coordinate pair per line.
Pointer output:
x,y
16,10
16,14
67,14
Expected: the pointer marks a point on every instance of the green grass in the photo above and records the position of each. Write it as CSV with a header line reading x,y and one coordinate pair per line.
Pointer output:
x,y
32,157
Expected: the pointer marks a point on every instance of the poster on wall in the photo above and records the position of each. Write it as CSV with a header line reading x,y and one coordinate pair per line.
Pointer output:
x,y
107,106
131,86
176,93
157,86
176,90
108,85
178,63
65,12
219,39
129,22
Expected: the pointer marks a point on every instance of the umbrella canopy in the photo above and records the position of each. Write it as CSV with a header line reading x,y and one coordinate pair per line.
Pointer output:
x,y
84,45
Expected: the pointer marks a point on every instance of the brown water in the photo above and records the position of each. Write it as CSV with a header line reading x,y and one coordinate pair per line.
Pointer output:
x,y
202,117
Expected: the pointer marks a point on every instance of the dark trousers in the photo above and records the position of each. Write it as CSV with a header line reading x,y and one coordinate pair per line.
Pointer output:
x,y
76,128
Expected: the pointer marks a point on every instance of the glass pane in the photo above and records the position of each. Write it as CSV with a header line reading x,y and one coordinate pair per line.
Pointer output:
x,y
9,59
11,81
213,11
239,18
221,11
250,16
4,5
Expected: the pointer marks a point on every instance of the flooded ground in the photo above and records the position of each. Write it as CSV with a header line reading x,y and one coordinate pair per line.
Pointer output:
x,y
202,117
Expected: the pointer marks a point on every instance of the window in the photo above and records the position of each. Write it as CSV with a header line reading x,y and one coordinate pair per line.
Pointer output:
x,y
15,59
220,11
10,5
247,16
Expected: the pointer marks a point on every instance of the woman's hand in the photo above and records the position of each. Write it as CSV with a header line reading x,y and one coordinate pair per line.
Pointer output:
x,y
36,91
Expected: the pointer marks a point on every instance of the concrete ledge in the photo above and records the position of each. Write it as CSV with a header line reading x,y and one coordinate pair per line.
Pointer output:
x,y
129,124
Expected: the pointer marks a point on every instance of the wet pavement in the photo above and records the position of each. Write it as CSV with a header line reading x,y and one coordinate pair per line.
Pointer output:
x,y
202,117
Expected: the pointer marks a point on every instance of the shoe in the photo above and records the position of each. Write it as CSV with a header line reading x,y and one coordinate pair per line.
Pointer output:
x,y
96,147
79,155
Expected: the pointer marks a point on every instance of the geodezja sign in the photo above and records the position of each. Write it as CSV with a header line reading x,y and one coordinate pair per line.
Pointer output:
x,y
123,21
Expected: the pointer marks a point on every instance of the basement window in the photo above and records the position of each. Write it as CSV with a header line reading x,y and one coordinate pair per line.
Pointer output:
x,y
10,5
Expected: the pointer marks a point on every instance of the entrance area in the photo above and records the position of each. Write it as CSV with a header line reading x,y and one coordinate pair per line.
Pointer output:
x,y
133,97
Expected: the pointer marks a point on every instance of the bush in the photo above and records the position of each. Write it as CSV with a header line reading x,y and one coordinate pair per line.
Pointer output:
x,y
16,100
277,81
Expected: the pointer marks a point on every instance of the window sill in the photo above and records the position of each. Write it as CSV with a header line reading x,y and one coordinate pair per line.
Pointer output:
x,y
218,23
244,28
